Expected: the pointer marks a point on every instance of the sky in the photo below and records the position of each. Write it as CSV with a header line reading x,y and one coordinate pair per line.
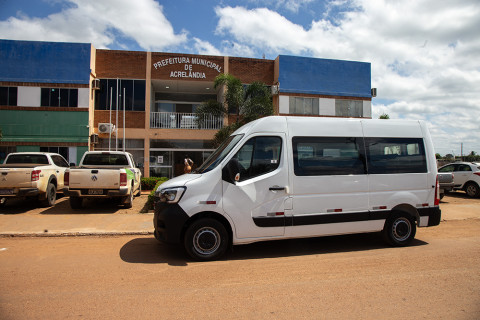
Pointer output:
x,y
424,54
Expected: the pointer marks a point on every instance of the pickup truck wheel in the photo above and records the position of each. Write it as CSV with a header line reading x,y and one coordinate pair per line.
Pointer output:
x,y
472,190
76,202
129,201
399,229
51,195
206,239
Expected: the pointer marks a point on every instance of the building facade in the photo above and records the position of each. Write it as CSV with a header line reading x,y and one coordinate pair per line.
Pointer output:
x,y
70,97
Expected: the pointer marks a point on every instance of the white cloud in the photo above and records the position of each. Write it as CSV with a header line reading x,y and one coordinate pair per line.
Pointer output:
x,y
425,55
99,22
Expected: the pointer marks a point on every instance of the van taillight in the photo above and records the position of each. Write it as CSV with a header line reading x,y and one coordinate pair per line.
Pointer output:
x,y
123,179
36,175
66,179
437,194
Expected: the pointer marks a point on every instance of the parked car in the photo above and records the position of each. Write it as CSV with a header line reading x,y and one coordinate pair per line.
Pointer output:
x,y
36,175
466,177
103,174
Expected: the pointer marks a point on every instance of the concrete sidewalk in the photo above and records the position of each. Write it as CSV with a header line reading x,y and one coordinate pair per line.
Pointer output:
x,y
25,219
96,218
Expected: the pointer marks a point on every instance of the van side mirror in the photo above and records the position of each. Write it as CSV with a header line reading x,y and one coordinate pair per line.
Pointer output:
x,y
231,172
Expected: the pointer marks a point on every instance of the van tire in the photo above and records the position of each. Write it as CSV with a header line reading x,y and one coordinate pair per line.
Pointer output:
x,y
472,190
50,195
399,229
206,239
76,202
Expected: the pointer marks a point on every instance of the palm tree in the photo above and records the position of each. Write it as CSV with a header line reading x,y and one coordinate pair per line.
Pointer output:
x,y
248,103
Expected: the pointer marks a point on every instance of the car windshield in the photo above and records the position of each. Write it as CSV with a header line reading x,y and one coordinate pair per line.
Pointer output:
x,y
218,155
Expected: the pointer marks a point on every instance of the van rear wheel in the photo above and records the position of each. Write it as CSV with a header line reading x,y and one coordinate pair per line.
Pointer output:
x,y
399,229
206,239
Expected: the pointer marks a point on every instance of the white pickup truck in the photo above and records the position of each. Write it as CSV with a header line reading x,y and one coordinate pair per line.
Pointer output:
x,y
32,175
103,174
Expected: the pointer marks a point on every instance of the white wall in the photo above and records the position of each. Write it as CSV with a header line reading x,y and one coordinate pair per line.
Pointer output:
x,y
28,96
367,109
327,107
83,97
284,104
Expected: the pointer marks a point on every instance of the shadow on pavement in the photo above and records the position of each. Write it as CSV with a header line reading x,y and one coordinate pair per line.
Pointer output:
x,y
149,250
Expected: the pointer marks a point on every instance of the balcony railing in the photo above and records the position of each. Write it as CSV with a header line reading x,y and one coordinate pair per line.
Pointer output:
x,y
172,120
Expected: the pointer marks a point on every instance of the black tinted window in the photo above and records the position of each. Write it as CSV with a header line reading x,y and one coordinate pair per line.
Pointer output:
x,y
105,160
59,161
27,158
395,155
258,156
320,156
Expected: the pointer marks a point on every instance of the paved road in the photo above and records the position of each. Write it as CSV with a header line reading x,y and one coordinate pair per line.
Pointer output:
x,y
348,277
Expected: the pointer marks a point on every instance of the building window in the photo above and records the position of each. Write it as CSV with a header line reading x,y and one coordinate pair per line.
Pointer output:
x,y
63,151
307,106
349,108
134,95
8,96
56,97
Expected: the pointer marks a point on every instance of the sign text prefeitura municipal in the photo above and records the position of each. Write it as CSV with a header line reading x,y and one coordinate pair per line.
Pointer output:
x,y
188,63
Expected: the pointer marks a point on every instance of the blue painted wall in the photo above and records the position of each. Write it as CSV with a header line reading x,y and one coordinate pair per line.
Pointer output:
x,y
44,62
324,77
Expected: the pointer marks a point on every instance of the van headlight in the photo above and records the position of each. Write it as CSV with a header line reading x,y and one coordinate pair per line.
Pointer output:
x,y
170,195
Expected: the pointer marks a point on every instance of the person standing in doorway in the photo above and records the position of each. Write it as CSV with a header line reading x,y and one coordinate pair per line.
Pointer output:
x,y
188,164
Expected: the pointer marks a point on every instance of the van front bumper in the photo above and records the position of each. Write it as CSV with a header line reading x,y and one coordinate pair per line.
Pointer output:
x,y
169,220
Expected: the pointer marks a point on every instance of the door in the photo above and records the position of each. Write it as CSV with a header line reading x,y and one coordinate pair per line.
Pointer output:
x,y
461,174
255,186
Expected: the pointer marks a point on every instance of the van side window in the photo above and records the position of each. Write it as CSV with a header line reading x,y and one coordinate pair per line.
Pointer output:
x,y
258,156
321,156
396,155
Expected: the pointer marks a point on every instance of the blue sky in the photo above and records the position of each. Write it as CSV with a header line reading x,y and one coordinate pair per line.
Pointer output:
x,y
425,54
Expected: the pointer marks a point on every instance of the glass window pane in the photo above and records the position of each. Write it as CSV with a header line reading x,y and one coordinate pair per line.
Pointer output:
x,y
45,97
73,98
12,96
3,96
317,156
127,88
139,95
394,155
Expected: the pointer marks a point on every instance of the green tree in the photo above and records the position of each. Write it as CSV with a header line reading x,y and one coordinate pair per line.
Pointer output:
x,y
384,116
247,103
438,156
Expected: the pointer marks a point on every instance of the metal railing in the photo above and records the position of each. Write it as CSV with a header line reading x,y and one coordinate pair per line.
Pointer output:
x,y
172,120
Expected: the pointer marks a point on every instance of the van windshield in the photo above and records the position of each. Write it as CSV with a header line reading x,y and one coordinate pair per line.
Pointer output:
x,y
218,155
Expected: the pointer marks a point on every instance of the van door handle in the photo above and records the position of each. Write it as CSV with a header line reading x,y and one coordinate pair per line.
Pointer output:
x,y
276,188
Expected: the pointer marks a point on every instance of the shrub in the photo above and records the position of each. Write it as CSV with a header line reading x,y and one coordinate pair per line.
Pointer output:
x,y
151,197
149,183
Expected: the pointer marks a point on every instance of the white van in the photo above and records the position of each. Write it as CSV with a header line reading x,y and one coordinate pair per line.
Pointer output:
x,y
291,177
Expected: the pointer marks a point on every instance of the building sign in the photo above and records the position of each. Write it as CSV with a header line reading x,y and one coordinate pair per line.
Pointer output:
x,y
187,70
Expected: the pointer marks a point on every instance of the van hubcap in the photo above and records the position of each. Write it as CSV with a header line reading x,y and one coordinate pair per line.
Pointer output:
x,y
206,240
401,229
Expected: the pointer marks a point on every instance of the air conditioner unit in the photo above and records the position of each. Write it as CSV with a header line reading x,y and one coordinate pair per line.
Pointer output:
x,y
275,89
96,84
106,128
374,92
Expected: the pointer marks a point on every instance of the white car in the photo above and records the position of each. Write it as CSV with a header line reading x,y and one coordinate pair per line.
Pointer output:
x,y
466,177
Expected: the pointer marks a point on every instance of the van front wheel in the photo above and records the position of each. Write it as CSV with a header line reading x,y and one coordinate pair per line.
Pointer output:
x,y
206,239
399,229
